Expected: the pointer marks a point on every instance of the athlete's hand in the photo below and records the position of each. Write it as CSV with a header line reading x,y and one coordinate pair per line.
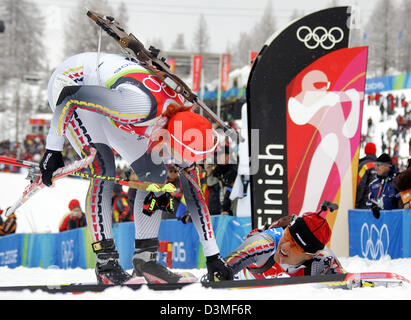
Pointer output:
x,y
52,160
217,267
163,202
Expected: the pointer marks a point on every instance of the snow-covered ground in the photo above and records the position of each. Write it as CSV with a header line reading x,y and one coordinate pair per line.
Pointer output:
x,y
373,112
44,212
23,276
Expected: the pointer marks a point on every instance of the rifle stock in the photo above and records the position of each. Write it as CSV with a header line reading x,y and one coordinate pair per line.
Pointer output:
x,y
157,65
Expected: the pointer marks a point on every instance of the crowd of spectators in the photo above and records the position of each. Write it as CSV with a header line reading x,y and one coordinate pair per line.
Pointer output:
x,y
390,106
217,180
31,149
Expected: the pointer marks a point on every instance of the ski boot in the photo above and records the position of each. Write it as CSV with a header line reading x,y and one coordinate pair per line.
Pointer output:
x,y
145,264
108,269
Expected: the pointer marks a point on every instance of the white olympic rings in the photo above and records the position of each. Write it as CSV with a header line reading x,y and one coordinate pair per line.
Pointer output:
x,y
320,37
378,247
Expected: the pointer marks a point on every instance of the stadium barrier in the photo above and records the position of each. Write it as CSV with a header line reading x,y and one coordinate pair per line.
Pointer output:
x,y
72,249
373,238
368,237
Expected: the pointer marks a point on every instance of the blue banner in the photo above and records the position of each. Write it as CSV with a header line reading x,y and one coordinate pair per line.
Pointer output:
x,y
374,238
388,83
11,248
72,249
379,84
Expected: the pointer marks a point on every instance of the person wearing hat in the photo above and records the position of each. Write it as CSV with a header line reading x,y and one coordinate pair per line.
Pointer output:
x,y
121,206
366,174
77,217
73,219
370,151
382,193
402,182
112,102
291,246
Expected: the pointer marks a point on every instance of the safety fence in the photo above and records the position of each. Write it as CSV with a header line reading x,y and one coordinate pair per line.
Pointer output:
x,y
72,249
368,237
372,238
388,83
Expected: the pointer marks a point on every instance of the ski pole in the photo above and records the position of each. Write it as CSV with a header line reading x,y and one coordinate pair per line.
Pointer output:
x,y
36,183
134,184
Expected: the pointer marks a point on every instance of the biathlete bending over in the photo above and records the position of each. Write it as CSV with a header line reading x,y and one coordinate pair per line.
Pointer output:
x,y
110,101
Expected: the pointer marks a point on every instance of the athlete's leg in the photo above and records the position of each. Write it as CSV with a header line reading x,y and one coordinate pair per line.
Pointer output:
x,y
85,131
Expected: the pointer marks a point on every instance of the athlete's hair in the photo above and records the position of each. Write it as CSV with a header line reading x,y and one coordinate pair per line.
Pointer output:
x,y
171,111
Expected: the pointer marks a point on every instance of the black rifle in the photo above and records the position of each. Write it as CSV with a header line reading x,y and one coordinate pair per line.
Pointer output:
x,y
152,60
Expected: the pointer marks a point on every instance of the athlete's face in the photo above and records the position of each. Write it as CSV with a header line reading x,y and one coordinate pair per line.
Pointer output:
x,y
289,252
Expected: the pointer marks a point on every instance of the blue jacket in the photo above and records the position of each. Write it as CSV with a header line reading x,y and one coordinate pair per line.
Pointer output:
x,y
383,191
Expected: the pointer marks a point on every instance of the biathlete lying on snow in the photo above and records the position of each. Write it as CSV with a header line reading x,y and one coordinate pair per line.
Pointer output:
x,y
291,246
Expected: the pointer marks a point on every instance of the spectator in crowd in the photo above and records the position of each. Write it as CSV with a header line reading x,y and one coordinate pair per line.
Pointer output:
x,y
402,182
378,96
9,225
370,151
382,110
182,213
226,172
214,190
366,174
382,195
121,207
75,218
131,193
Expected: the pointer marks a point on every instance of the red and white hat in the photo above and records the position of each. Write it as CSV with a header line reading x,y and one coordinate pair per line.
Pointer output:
x,y
191,136
370,148
311,232
73,203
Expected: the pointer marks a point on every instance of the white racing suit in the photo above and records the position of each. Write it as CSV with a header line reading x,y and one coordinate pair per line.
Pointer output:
x,y
254,259
110,102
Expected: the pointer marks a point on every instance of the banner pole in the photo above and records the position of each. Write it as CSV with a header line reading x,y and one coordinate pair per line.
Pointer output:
x,y
219,88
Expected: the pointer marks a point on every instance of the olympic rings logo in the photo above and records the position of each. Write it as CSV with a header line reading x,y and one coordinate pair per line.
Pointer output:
x,y
320,37
67,253
380,246
151,83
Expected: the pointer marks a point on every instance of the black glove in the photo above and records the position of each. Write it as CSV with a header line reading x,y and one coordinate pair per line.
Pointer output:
x,y
216,266
166,203
185,219
52,160
376,211
152,203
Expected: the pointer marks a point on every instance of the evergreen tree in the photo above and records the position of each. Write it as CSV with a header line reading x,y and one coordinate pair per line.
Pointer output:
x,y
255,39
201,41
82,34
263,30
296,14
21,44
179,43
404,37
381,36
122,15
